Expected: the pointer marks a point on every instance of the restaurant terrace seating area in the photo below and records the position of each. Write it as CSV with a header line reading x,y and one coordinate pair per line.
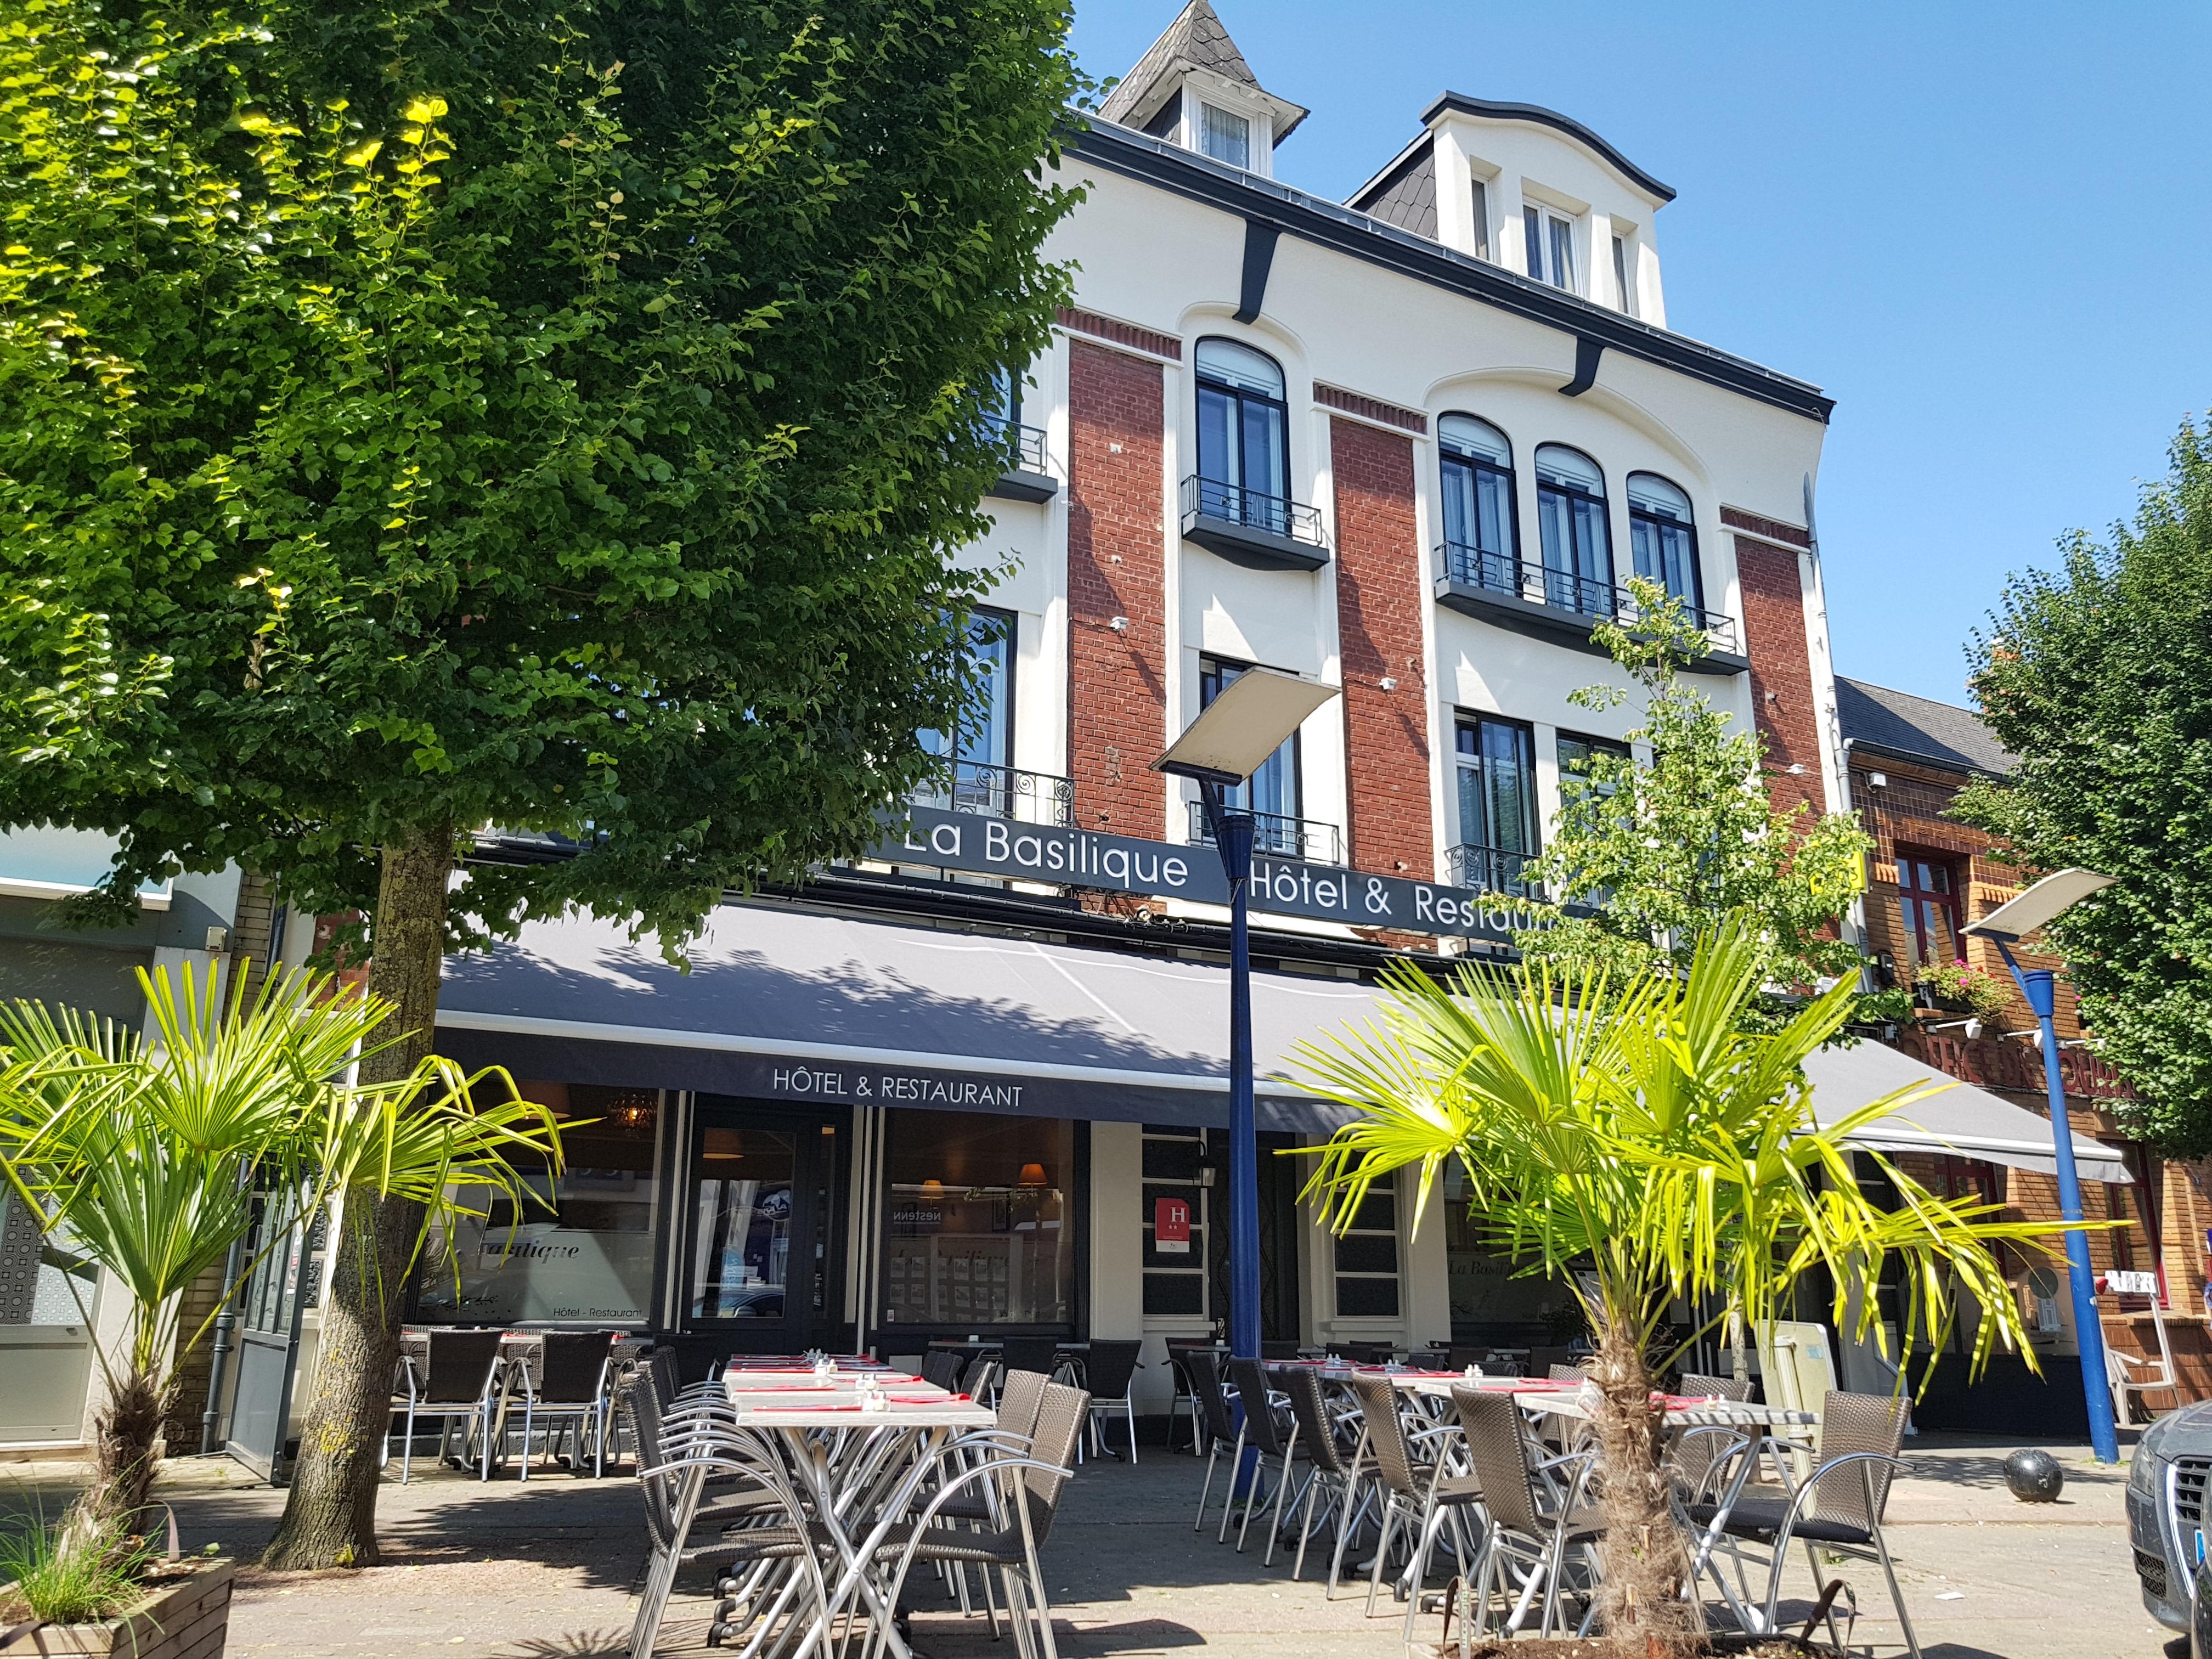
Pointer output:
x,y
810,1501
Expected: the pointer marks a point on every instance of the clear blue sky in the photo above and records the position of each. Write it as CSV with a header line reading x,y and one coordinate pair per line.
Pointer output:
x,y
1986,232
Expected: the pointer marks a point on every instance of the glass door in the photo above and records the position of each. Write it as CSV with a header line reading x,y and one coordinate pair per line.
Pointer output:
x,y
759,1264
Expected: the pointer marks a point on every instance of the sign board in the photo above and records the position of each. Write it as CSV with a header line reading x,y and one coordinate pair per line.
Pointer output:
x,y
1157,869
1171,1226
2123,1283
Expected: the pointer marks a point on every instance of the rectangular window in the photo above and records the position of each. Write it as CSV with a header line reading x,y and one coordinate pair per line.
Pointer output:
x,y
1367,1261
1532,235
1562,254
1273,792
1928,906
1481,219
1574,769
1621,285
986,737
1225,137
589,1255
1497,834
1175,1258
978,1228
1550,241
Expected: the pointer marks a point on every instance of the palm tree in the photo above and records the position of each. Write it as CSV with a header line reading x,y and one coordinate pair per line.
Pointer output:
x,y
143,1157
1638,1143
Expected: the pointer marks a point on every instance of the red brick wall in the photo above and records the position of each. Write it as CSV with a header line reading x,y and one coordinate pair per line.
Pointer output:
x,y
1781,671
1378,601
1116,566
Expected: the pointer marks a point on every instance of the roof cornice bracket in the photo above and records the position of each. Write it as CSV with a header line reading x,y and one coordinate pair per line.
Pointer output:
x,y
1259,260
1586,352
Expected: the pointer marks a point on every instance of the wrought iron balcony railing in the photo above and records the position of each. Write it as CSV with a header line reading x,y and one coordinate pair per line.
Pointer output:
x,y
1000,792
1274,835
1252,528
1491,870
1563,590
1025,444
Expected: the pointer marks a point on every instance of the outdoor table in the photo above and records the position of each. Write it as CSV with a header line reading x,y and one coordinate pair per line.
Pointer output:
x,y
849,1462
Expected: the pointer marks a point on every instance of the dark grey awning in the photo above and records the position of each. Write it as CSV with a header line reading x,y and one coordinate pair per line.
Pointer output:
x,y
783,1003
1969,1121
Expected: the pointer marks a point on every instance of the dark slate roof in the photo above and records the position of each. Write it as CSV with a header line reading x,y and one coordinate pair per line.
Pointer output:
x,y
1879,720
1196,40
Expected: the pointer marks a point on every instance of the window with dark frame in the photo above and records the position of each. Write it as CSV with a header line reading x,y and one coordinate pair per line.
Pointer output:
x,y
1482,538
1662,537
980,1222
1497,807
1366,1260
1243,450
1275,789
1174,1173
1927,907
1622,286
1571,524
1481,211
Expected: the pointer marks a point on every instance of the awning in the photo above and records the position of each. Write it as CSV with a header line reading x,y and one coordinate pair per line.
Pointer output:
x,y
785,1003
1963,1120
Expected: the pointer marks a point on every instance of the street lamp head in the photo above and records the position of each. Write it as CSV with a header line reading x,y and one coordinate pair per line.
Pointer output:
x,y
2017,918
1250,720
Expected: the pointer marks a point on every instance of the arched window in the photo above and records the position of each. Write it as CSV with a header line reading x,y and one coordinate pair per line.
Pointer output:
x,y
1482,542
1243,459
1570,518
1664,538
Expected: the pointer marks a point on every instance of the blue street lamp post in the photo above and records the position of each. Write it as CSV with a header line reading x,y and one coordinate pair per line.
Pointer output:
x,y
2004,927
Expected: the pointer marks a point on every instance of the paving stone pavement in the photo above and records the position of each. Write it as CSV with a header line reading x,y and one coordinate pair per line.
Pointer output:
x,y
548,1569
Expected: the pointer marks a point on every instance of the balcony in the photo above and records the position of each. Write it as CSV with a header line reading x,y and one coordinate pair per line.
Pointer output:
x,y
1276,837
1025,478
1491,870
1260,532
1000,792
1557,604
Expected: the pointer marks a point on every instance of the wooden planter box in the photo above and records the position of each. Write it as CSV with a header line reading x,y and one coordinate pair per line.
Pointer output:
x,y
184,1618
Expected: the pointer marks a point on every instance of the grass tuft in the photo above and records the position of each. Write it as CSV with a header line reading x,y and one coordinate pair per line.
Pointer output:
x,y
67,1587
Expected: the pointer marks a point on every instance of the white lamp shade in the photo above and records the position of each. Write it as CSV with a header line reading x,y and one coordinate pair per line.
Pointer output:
x,y
1245,724
2018,918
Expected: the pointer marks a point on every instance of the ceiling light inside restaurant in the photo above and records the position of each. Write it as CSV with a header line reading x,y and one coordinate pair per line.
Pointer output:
x,y
1032,1175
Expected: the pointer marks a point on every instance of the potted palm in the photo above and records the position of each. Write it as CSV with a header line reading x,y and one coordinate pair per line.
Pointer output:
x,y
143,1155
1637,1142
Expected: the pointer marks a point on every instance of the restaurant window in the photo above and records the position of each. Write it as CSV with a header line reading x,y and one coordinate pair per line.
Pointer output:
x,y
1928,906
1497,765
1493,1301
1367,1258
978,1226
1662,539
1175,1221
585,1252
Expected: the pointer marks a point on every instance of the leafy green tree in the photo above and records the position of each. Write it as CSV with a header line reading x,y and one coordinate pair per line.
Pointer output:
x,y
1632,1139
1663,850
553,415
144,1158
2099,677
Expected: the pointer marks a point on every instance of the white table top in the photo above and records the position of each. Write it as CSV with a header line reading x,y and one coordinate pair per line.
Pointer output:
x,y
797,1402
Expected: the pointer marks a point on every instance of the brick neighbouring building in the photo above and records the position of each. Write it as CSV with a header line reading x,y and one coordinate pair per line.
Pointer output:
x,y
1909,758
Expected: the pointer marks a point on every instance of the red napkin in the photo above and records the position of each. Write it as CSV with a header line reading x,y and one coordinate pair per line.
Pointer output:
x,y
926,1399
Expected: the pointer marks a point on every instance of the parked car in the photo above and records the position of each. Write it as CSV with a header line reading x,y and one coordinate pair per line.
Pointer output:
x,y
2167,1479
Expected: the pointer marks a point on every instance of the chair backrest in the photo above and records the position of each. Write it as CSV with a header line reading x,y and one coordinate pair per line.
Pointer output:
x,y
1858,1423
1278,1350
696,1352
1568,1373
659,1368
1203,1367
1370,1353
941,1367
1386,1434
1696,1386
1040,1354
1020,1397
1492,1426
460,1365
1459,1357
1310,1406
1061,1417
573,1366
976,1381
639,1402
1261,1430
1109,1367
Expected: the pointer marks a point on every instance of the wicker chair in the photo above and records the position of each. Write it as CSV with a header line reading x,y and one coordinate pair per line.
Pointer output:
x,y
1528,1533
1340,1473
1422,1497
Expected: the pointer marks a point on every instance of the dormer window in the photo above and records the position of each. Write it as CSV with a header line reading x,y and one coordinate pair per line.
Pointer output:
x,y
1551,240
1225,135
1622,262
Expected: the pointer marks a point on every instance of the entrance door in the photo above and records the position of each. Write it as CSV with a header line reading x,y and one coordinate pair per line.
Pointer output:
x,y
286,1248
1279,1181
760,1255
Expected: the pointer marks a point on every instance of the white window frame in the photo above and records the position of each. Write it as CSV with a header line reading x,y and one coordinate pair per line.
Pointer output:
x,y
1207,107
1542,228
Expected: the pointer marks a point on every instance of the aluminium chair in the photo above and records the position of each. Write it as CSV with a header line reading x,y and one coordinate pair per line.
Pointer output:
x,y
457,1382
565,1387
1535,1509
1203,1366
1110,1370
1270,1430
1342,1468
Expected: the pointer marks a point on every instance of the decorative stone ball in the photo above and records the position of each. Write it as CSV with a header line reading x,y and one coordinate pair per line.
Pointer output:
x,y
2035,1476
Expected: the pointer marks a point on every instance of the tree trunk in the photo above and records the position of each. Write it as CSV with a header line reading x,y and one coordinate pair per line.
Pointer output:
x,y
125,1431
330,1513
1645,1562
